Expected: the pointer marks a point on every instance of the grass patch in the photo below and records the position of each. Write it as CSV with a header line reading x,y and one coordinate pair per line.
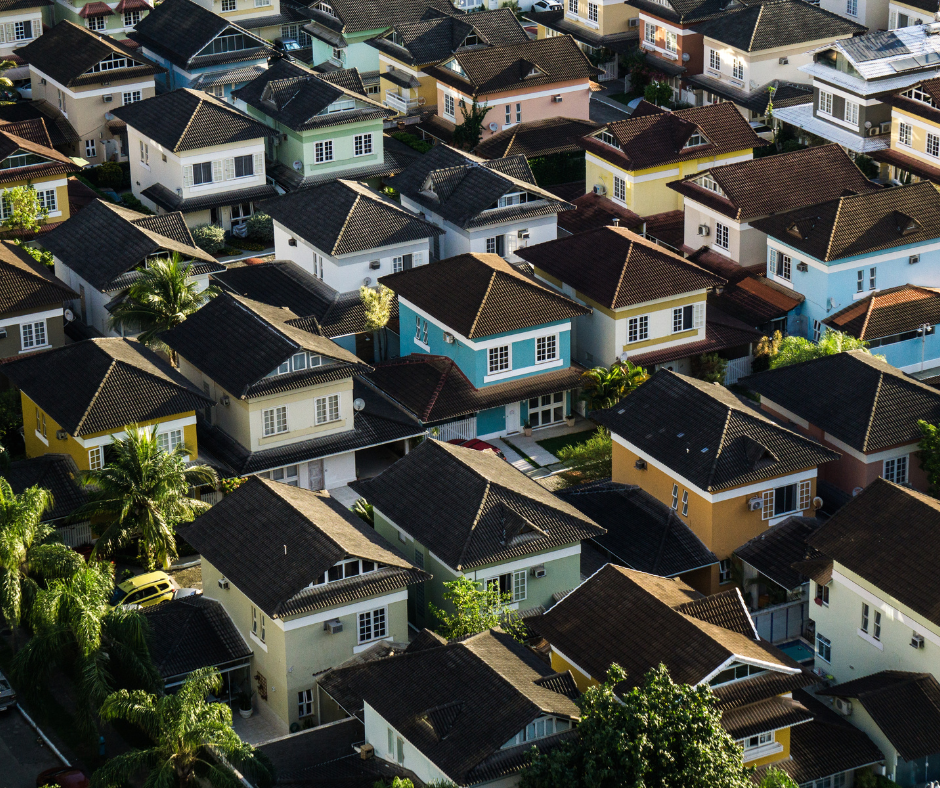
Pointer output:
x,y
521,453
624,98
554,445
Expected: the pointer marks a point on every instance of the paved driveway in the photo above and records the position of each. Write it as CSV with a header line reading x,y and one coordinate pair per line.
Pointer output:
x,y
23,754
603,110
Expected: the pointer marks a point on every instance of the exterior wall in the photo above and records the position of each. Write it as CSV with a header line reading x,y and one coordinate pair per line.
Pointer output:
x,y
871,13
428,85
115,24
357,54
10,42
903,15
177,77
920,128
875,113
746,244
688,42
11,345
244,9
612,17
377,735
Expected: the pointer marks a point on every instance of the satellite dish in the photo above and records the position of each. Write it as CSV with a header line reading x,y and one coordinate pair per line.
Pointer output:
x,y
299,166
867,124
685,57
494,126
69,315
367,281
358,404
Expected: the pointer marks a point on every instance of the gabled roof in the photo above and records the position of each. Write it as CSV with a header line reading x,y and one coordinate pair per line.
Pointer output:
x,y
131,237
884,313
774,552
68,52
657,140
296,96
56,473
640,620
471,508
537,138
102,385
885,534
859,224
857,398
275,542
913,106
26,283
774,184
31,137
271,334
344,217
688,11
704,433
459,703
626,269
184,120
351,16
892,58
492,296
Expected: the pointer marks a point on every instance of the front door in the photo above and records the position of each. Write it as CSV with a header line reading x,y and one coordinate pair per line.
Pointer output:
x,y
547,409
315,471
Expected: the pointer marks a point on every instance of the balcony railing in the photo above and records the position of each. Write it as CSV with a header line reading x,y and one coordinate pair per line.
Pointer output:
x,y
401,104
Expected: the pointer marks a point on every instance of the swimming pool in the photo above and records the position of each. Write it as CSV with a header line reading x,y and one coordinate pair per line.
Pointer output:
x,y
798,650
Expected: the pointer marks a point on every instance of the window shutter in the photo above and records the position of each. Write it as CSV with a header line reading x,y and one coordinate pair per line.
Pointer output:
x,y
892,20
698,315
229,169
768,509
188,175
804,495
512,241
406,262
37,26
216,171
259,163
417,258
3,35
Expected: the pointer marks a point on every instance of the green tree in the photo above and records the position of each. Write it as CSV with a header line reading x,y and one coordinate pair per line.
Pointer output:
x,y
657,735
184,729
29,551
478,607
589,461
929,454
161,299
142,493
26,213
604,388
709,367
793,350
777,778
658,93
378,303
469,132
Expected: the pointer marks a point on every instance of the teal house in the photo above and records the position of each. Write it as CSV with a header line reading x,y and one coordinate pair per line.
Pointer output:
x,y
484,350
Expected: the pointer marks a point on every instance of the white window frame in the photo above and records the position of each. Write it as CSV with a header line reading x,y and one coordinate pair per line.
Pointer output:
x,y
331,409
620,189
895,470
449,106
323,152
33,335
499,359
714,59
905,134
825,103
546,349
850,115
229,5
722,236
685,503
932,147
95,457
362,145
737,69
367,627
638,329
823,645
91,149
278,417
170,439
130,97
592,12
304,703
675,497
131,18
671,42
851,7
649,33
801,495
96,23
724,571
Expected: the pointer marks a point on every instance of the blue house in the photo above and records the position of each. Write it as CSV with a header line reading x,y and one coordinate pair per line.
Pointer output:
x,y
484,349
843,251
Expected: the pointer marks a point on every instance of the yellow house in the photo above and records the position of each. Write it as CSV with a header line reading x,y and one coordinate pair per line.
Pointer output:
x,y
914,151
632,160
77,399
640,621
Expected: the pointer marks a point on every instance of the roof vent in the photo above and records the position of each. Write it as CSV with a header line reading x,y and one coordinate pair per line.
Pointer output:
x,y
615,221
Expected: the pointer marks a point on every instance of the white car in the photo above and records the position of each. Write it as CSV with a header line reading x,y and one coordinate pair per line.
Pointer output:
x,y
547,5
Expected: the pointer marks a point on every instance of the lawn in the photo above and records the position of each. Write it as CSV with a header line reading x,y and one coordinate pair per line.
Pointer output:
x,y
624,98
554,445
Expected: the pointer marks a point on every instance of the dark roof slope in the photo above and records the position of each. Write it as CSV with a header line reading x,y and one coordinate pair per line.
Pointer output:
x,y
184,120
31,136
896,310
625,268
860,223
859,399
692,10
536,138
774,552
357,17
103,384
27,284
707,435
56,473
275,542
471,508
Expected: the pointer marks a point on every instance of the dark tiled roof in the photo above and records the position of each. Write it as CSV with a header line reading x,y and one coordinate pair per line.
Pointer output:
x,y
471,508
642,533
475,696
855,397
536,138
592,211
765,715
272,337
56,473
657,140
345,217
707,435
27,284
774,552
883,534
904,706
886,312
908,163
184,120
773,184
860,223
688,11
726,609
625,269
191,633
131,236
67,53
761,687
171,201
635,620
15,5
24,114
356,17
245,534
103,384
786,94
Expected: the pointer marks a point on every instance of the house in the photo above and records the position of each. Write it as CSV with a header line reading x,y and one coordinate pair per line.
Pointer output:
x,y
306,583
632,160
349,235
101,274
465,712
728,470
214,157
484,206
21,21
537,138
519,82
839,251
469,514
911,12
200,49
58,474
406,49
31,304
325,126
289,410
81,76
915,132
874,14
114,20
721,202
639,621
505,336
876,615
272,20
77,399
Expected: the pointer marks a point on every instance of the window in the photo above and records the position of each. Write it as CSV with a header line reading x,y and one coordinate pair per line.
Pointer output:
x,y
638,328
695,140
823,648
905,134
131,97
90,149
327,408
573,6
675,496
508,113
785,500
608,138
40,423
275,420
22,30
834,781
685,503
649,33
876,631
362,145
144,152
781,264
244,166
547,409
498,359
896,470
592,12
257,624
401,751
760,740
449,106
167,441
391,742
33,334
804,493
339,54
918,95
724,570
95,23
933,145
851,113
229,5
822,595
672,42
296,33
620,189
851,7
865,618
421,330
825,103
546,348
323,151
233,42
496,245
372,625
511,583
202,173
721,235
817,331
682,318
860,282
131,18
735,672
737,69
305,703
872,276
714,59
518,113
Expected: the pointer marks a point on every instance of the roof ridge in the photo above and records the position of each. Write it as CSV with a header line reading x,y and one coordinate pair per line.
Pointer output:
x,y
486,295
437,390
835,222
94,397
342,229
476,520
868,313
265,323
189,122
871,413
721,444
750,43
623,275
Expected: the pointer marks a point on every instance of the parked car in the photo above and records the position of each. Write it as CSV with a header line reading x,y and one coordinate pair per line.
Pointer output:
x,y
7,694
478,445
547,5
64,777
144,590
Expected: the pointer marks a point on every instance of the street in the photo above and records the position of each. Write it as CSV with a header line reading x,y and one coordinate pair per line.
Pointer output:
x,y
23,755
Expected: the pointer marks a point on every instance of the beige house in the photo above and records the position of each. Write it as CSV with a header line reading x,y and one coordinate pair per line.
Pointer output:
x,y
911,13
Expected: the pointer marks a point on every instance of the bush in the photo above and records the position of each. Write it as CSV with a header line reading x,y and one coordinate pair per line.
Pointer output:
x,y
109,175
11,419
38,254
209,237
134,204
261,229
710,367
420,145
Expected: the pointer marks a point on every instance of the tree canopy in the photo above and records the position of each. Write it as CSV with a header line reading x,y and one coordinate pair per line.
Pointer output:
x,y
477,607
794,350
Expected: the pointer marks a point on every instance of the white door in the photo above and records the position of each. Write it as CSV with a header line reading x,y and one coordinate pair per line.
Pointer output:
x,y
315,474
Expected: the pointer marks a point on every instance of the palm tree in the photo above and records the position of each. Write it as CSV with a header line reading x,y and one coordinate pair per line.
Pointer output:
x,y
161,299
142,492
29,549
184,729
75,624
793,350
604,388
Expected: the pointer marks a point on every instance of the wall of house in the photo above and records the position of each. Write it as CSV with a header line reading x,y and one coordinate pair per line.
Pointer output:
x,y
612,16
871,13
244,9
32,15
115,24
920,128
376,731
11,336
357,54
904,15
875,114
688,42
746,245
428,85
301,146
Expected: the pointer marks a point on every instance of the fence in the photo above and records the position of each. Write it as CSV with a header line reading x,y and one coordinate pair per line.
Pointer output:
x,y
465,429
211,497
737,369
77,534
781,622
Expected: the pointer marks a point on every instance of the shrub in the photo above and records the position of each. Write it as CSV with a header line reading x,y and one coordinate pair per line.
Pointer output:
x,y
109,175
261,229
209,237
709,367
420,145
134,204
38,254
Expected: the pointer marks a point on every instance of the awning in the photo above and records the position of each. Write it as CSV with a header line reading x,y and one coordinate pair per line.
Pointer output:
x,y
117,126
171,201
401,78
331,37
133,5
95,9
907,163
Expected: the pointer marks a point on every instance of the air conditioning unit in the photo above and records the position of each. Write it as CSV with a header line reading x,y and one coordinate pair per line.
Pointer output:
x,y
784,61
802,267
60,435
276,141
704,230
600,188
886,127
635,22
874,131
538,571
42,81
913,259
755,504
523,235
3,332
292,242
223,584
917,641
366,751
107,99
843,706
375,265
449,338
557,99
334,627
640,465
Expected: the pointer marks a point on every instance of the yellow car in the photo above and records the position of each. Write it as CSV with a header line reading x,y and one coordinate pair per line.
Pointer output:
x,y
145,590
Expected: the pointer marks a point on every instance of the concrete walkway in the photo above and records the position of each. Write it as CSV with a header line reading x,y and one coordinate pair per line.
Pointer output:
x,y
546,463
346,496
